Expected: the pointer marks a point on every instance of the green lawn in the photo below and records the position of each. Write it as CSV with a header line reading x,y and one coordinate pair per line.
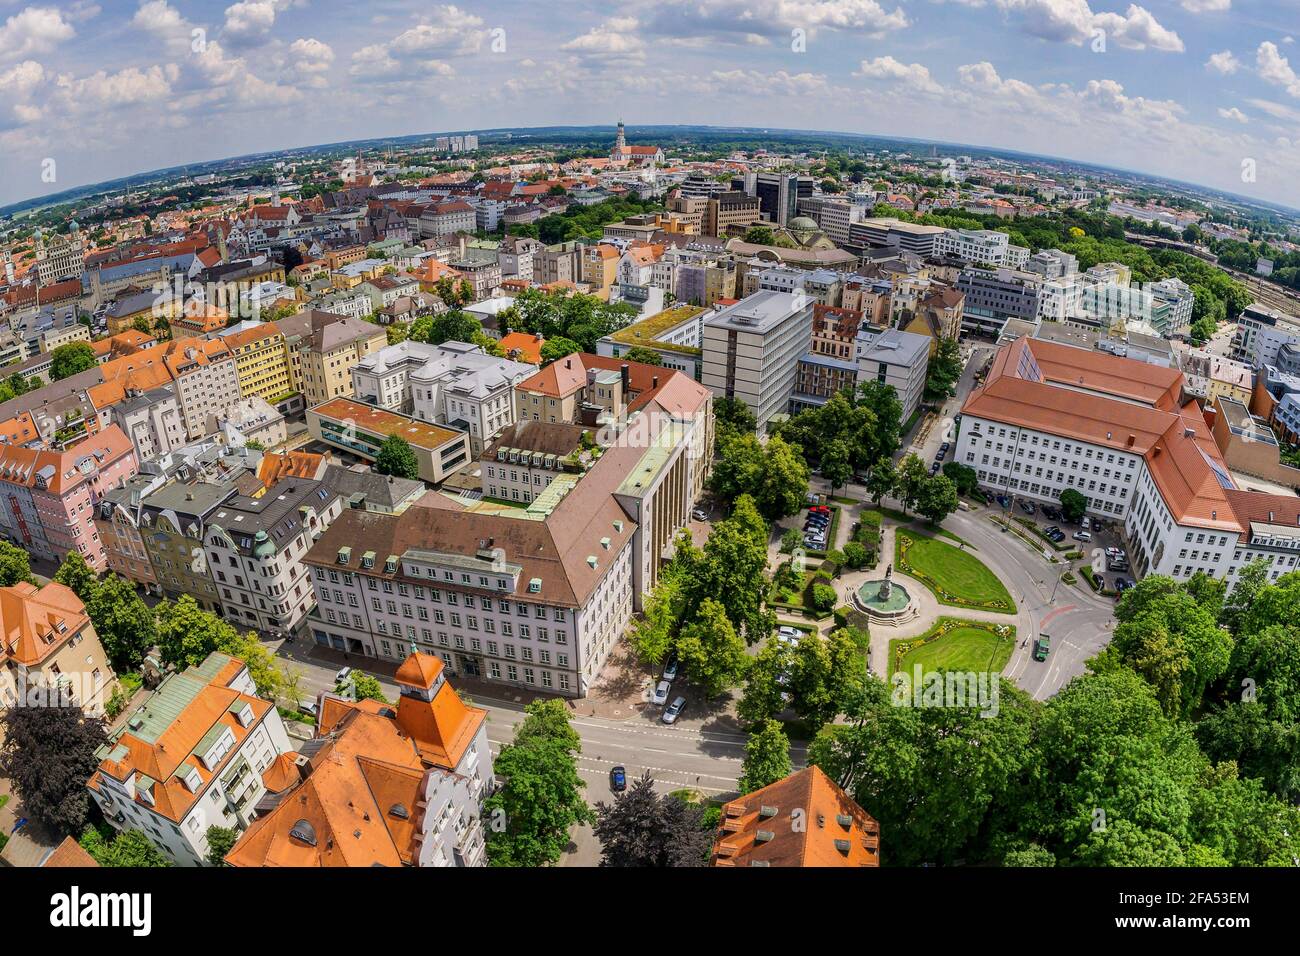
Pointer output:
x,y
956,577
962,646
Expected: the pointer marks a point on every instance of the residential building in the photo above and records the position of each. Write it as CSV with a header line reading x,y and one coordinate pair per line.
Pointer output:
x,y
516,256
830,365
262,363
528,456
380,786
673,333
172,521
805,819
752,349
367,490
1261,331
361,429
48,641
189,757
250,420
323,348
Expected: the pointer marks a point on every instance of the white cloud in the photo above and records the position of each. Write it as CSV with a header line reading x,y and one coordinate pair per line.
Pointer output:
x,y
309,60
1274,68
1225,63
745,21
1234,114
124,88
1206,6
616,39
1075,22
33,30
422,49
914,76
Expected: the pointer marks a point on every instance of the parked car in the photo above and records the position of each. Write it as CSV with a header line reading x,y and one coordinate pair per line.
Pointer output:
x,y
1004,501
618,778
1122,585
934,467
1086,523
660,696
821,510
674,711
670,669
343,674
1027,507
699,514
788,635
1082,536
1042,647
1051,512
943,449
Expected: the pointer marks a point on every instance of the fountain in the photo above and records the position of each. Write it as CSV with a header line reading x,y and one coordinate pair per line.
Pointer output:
x,y
884,600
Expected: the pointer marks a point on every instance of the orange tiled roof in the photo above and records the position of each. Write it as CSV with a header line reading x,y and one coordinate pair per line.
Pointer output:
x,y
69,854
36,622
760,827
294,464
566,376
528,345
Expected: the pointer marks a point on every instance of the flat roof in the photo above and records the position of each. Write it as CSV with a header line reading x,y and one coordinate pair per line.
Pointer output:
x,y
377,421
649,329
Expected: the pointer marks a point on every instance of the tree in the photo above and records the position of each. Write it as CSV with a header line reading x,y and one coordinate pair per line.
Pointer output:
x,y
910,480
760,235
70,359
785,480
767,757
451,326
710,649
1073,504
48,754
126,625
367,687
130,848
15,565
557,348
963,476
221,840
882,479
187,634
856,555
652,634
540,797
943,371
396,457
1031,855
76,574
642,828
731,416
823,597
731,569
826,675
937,499
644,355
835,465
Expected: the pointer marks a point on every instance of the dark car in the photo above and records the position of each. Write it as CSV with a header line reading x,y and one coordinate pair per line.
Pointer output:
x,y
618,778
1027,507
934,468
1004,501
1042,647
1122,585
670,669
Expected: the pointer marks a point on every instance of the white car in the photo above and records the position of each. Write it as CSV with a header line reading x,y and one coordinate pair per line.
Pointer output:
x,y
674,711
699,514
660,695
1082,536
343,674
788,635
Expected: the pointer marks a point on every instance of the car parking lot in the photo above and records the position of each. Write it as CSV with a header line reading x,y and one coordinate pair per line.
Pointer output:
x,y
1101,541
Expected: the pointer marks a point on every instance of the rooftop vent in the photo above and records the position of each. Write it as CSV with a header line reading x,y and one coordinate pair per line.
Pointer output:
x,y
764,836
767,811
843,846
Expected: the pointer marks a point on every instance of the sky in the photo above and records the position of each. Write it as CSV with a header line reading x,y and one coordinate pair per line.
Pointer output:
x,y
1206,91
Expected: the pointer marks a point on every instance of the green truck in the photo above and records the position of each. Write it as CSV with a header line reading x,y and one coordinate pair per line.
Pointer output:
x,y
1042,647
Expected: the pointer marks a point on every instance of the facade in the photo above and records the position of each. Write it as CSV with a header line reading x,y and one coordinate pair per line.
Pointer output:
x,y
673,333
172,521
897,359
1121,432
896,234
189,757
48,641
752,350
261,361
454,384
1261,332
384,786
323,348
362,429
527,457
992,296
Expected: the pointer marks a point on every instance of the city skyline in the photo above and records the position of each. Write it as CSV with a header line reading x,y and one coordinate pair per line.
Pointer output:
x,y
1202,91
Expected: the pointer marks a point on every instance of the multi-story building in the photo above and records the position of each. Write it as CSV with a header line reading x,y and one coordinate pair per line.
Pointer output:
x,y
1052,264
525,458
361,429
323,348
673,333
1261,331
779,195
454,383
516,257
982,247
50,496
830,365
189,757
1119,431
59,257
992,296
730,211
381,786
558,263
894,358
752,350
1173,301
261,360
599,263
47,641
446,219
254,545
894,233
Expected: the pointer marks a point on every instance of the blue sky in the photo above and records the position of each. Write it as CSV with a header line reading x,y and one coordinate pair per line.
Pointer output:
x,y
1192,89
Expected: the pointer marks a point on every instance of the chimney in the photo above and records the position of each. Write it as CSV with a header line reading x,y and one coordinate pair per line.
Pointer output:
x,y
1131,440
568,363
625,372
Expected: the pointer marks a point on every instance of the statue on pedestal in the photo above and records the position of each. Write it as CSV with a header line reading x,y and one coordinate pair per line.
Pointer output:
x,y
887,585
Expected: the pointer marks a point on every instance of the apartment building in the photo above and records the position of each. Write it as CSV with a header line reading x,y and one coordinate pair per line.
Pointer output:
x,y
558,263
51,495
454,384
752,350
1261,331
262,363
361,429
190,756
984,247
380,785
599,262
528,456
323,348
254,546
47,640
172,522
830,365
894,358
446,219
516,255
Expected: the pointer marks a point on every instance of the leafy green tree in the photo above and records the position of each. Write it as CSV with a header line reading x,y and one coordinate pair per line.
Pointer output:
x,y
652,634
644,355
944,370
557,348
1031,855
823,597
731,416
187,634
126,625
910,480
785,480
882,479
826,676
767,757
540,797
76,574
764,695
130,848
221,840
965,478
451,326
1262,746
69,359
710,649
856,555
938,498
47,752
732,570
15,565
1251,580
367,687
642,828
1073,504
835,465
396,457
760,235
